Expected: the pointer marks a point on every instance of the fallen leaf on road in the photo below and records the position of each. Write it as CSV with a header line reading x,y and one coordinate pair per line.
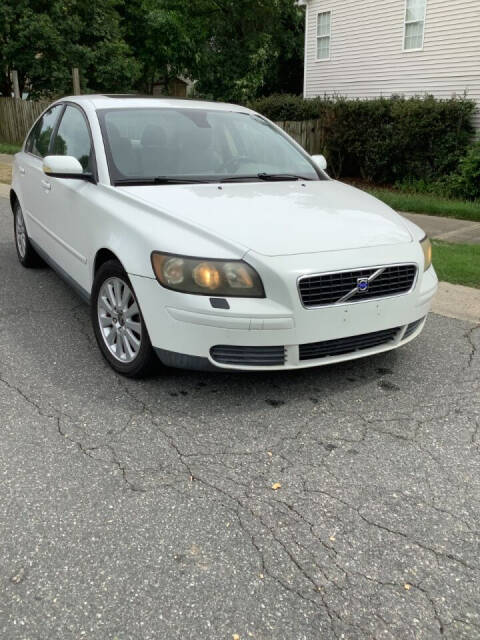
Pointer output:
x,y
18,577
276,486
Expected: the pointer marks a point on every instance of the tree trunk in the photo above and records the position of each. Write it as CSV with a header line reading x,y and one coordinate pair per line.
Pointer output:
x,y
6,84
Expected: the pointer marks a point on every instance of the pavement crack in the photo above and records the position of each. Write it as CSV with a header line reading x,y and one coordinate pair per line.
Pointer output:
x,y
471,342
441,626
33,403
58,417
395,532
88,451
145,410
476,430
467,623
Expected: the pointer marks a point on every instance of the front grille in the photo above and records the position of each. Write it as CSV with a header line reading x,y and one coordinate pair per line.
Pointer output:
x,y
347,345
248,356
331,288
412,327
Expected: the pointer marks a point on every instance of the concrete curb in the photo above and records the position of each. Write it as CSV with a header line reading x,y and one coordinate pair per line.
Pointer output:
x,y
447,229
457,301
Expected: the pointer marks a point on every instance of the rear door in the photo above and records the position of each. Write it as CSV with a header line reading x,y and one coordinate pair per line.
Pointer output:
x,y
34,184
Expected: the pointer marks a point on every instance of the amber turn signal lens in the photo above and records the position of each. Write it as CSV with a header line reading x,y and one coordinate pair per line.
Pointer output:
x,y
427,252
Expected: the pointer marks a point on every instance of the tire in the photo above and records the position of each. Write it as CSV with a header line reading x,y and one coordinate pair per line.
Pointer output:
x,y
118,323
27,255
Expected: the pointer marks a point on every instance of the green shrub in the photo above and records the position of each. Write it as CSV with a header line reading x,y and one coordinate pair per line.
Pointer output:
x,y
6,147
465,182
384,140
412,185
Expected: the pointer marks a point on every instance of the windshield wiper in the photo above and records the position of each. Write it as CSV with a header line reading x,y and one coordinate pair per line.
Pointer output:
x,y
280,176
135,182
266,177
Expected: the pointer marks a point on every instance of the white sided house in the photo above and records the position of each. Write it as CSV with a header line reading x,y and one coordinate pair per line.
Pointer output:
x,y
372,48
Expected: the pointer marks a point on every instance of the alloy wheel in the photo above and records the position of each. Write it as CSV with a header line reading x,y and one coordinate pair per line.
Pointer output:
x,y
20,233
119,319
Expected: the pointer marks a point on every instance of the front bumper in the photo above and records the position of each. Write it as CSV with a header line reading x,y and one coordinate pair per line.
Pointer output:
x,y
291,357
185,328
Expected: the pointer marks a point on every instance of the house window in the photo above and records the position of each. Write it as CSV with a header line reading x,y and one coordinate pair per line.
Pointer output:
x,y
323,35
414,24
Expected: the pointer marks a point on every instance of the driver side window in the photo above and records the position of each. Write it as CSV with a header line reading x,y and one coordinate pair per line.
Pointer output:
x,y
73,138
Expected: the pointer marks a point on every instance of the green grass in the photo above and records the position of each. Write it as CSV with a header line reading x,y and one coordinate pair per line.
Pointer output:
x,y
428,204
5,147
457,263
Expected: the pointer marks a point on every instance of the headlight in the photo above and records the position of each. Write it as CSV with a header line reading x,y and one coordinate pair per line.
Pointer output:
x,y
202,276
427,252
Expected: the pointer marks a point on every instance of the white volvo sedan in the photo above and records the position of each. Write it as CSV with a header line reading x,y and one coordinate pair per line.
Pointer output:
x,y
203,235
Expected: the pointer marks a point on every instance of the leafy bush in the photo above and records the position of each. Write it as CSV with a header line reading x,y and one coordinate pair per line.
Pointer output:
x,y
384,140
465,183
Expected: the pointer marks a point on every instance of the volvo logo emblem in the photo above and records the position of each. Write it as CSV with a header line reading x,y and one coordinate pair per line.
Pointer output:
x,y
362,285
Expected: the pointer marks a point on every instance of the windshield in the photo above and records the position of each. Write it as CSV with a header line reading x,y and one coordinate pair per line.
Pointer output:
x,y
198,145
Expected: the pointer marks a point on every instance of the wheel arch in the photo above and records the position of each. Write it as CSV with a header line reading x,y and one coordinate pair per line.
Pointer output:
x,y
108,252
104,255
13,199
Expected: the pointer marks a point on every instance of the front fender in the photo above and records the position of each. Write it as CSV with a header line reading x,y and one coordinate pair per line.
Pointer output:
x,y
131,229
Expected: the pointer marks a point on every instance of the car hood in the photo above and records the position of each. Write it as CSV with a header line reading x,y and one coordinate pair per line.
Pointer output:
x,y
281,218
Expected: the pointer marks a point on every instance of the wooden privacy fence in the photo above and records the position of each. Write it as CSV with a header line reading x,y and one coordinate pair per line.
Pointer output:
x,y
16,118
309,133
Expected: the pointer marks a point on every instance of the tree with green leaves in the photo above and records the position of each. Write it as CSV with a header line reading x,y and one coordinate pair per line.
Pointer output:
x,y
44,39
248,48
164,42
235,49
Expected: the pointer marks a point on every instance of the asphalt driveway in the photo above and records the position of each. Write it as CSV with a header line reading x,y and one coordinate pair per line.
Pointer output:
x,y
145,510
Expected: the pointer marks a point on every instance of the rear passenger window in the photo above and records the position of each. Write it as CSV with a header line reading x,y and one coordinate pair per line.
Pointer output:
x,y
39,139
73,138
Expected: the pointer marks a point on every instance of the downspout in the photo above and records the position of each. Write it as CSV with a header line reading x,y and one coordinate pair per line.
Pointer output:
x,y
304,3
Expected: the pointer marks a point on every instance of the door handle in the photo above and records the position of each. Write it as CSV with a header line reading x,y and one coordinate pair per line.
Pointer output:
x,y
22,170
46,185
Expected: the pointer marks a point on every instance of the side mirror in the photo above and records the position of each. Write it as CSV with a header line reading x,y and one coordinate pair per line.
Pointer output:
x,y
320,161
63,167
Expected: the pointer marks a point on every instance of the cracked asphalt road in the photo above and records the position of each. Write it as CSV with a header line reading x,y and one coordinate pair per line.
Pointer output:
x,y
145,510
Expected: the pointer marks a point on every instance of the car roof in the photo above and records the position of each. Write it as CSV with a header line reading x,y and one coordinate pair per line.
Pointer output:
x,y
119,101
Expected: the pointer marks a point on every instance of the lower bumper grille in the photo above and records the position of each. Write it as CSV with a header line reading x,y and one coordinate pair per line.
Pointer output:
x,y
275,356
347,345
412,327
248,356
